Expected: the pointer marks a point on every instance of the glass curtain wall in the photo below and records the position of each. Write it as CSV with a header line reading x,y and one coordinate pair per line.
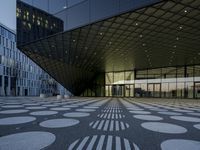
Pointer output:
x,y
170,82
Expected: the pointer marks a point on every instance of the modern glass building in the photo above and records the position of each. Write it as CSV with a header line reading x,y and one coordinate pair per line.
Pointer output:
x,y
20,76
123,48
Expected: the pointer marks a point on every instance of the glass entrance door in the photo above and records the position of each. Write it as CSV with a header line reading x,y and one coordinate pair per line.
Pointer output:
x,y
154,89
197,89
118,90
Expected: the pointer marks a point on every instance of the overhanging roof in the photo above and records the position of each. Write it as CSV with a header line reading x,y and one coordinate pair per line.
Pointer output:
x,y
165,34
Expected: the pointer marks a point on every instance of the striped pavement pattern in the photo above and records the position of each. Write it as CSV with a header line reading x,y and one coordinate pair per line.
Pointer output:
x,y
109,125
111,116
102,142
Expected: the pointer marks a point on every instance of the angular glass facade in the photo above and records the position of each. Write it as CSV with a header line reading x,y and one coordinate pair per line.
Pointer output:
x,y
170,82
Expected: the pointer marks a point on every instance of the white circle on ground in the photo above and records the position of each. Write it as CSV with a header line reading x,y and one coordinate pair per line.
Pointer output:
x,y
169,113
148,117
183,110
197,126
36,107
105,142
164,127
50,105
159,109
185,118
91,107
180,144
60,109
43,113
12,106
194,114
13,111
86,110
16,120
76,114
32,104
69,106
135,109
27,141
59,123
140,112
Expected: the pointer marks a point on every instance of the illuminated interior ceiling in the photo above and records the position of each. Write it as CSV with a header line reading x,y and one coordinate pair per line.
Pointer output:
x,y
164,34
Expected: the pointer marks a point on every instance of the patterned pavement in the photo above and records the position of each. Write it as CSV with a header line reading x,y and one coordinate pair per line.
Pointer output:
x,y
31,123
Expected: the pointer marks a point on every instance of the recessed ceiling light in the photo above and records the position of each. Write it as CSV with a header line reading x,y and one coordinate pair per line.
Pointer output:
x,y
64,7
180,27
136,24
185,11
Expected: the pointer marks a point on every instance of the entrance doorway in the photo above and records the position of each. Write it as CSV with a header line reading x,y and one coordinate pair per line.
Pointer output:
x,y
118,90
154,89
26,92
197,89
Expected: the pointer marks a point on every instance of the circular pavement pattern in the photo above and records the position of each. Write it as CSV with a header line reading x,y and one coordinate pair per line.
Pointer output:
x,y
86,110
194,114
140,112
76,114
69,106
180,144
103,142
169,113
91,107
59,123
164,127
12,106
183,110
148,117
32,104
129,108
60,108
109,125
50,105
16,120
13,111
43,113
197,126
185,118
27,141
36,107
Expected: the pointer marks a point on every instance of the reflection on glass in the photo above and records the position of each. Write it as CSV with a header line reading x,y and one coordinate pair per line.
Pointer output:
x,y
119,78
127,90
131,90
180,90
109,78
